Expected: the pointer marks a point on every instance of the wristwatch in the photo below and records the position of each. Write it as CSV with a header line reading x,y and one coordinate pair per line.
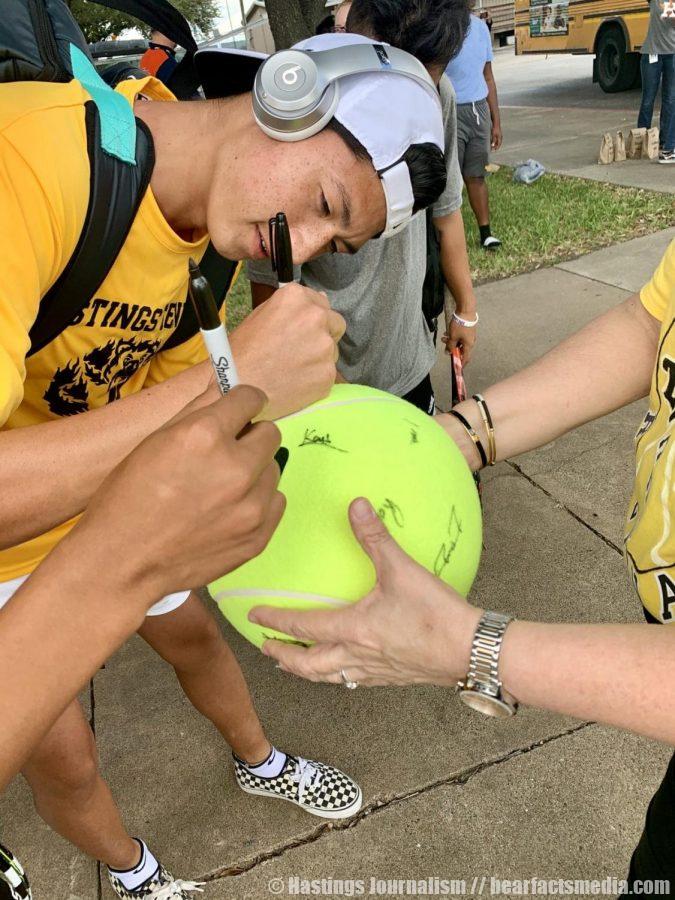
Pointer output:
x,y
482,689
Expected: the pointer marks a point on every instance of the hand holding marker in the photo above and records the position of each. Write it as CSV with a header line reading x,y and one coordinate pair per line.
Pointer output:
x,y
216,340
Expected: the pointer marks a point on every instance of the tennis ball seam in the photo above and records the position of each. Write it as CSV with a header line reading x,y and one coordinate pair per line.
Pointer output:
x,y
283,595
317,406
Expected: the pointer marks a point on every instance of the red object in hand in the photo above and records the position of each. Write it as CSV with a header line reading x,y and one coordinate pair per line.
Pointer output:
x,y
459,385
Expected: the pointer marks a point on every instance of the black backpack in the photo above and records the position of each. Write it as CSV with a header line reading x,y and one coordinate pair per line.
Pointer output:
x,y
40,41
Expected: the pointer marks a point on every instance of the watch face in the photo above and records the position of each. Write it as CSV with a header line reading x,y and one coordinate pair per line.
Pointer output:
x,y
489,706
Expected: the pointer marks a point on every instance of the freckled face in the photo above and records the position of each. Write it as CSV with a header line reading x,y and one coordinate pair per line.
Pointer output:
x,y
333,201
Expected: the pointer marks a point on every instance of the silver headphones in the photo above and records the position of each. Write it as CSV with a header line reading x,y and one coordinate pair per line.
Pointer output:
x,y
296,92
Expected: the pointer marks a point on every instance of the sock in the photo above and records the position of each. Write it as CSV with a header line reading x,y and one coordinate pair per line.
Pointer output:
x,y
484,232
144,869
270,767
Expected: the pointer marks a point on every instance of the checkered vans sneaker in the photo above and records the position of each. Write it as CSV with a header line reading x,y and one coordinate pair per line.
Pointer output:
x,y
160,886
315,787
13,880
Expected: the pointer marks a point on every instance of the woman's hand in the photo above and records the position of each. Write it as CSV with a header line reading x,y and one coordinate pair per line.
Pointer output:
x,y
411,628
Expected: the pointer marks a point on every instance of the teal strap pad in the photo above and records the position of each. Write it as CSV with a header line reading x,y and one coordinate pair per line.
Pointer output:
x,y
118,125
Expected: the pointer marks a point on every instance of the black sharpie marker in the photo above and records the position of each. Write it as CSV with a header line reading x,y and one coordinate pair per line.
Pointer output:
x,y
216,340
281,254
212,329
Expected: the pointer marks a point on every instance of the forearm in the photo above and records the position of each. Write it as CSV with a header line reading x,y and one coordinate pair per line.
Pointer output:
x,y
493,102
57,630
50,471
622,675
455,263
603,367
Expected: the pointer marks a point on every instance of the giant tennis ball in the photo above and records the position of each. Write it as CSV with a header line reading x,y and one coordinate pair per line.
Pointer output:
x,y
358,442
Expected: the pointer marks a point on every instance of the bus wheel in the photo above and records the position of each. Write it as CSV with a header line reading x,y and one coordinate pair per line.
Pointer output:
x,y
617,70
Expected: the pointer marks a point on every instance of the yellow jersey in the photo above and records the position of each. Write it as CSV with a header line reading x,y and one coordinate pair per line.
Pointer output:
x,y
649,535
113,348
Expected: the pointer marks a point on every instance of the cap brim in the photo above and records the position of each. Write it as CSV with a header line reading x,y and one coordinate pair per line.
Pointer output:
x,y
227,72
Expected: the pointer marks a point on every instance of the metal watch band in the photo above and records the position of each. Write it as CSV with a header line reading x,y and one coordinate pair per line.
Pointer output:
x,y
485,649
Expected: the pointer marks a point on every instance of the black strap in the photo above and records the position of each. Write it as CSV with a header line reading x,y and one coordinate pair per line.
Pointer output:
x,y
219,272
162,16
433,289
116,190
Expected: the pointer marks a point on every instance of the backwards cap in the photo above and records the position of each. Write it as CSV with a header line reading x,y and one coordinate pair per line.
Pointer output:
x,y
387,113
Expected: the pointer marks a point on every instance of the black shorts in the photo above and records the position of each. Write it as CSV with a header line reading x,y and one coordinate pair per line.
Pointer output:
x,y
423,397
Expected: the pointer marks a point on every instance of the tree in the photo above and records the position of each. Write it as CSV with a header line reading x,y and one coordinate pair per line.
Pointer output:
x,y
293,20
98,22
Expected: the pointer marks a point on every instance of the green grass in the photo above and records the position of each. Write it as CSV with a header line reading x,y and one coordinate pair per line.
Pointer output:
x,y
559,218
238,301
555,219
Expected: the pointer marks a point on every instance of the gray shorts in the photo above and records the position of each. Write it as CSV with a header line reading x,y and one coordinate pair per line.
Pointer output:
x,y
474,127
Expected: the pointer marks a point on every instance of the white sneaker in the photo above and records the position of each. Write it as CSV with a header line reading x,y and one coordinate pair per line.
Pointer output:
x,y
491,243
666,157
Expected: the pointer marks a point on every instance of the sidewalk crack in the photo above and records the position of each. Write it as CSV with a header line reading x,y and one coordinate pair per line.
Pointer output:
x,y
571,512
378,806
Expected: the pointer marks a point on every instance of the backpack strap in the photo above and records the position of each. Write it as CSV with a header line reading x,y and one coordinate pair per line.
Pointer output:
x,y
219,272
115,192
433,290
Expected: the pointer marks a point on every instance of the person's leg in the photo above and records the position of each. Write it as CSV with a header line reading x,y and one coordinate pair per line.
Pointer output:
x,y
71,796
654,856
476,158
188,638
476,188
667,119
651,76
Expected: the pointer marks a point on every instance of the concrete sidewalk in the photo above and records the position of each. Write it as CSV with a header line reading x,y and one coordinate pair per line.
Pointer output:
x,y
447,793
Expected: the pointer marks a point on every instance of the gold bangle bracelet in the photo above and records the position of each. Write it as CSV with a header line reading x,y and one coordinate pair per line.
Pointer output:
x,y
489,427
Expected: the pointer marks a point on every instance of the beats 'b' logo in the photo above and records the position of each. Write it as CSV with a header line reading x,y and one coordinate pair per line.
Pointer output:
x,y
290,78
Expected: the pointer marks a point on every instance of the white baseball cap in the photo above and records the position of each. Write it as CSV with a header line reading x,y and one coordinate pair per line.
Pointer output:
x,y
387,113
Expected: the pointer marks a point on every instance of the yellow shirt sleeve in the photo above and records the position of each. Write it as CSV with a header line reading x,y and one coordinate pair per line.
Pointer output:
x,y
44,187
28,259
658,294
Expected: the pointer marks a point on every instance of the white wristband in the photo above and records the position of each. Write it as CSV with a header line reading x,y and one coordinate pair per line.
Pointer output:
x,y
465,322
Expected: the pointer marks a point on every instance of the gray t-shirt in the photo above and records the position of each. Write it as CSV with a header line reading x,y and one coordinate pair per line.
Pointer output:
x,y
661,34
387,344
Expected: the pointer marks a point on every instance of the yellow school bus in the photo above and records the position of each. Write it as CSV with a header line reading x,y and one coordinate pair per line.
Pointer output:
x,y
611,29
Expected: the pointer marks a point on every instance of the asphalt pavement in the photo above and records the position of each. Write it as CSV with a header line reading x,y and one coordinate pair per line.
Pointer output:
x,y
551,111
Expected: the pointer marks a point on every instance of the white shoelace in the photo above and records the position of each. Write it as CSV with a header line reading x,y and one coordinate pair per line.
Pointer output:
x,y
306,775
175,889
